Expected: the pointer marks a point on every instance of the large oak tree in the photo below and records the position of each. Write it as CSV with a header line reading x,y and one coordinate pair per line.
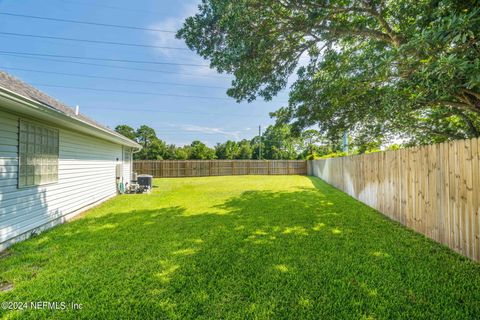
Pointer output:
x,y
375,66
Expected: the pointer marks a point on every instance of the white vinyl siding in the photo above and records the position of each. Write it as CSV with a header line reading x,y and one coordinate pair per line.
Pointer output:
x,y
86,176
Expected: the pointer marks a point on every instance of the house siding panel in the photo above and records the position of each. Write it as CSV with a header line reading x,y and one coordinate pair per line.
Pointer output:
x,y
86,177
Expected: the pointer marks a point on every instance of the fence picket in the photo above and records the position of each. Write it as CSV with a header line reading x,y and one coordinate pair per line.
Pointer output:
x,y
435,190
196,168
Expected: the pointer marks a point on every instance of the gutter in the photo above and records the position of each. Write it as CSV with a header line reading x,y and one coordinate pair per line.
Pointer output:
x,y
22,105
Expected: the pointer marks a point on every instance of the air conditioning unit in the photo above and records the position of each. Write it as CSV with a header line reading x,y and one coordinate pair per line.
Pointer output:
x,y
141,183
145,181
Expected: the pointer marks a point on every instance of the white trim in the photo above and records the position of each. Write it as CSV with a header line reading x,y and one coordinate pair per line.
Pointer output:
x,y
22,105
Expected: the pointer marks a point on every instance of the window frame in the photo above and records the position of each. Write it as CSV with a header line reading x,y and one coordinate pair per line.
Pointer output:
x,y
38,154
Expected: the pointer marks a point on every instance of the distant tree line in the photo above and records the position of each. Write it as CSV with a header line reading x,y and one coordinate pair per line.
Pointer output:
x,y
277,142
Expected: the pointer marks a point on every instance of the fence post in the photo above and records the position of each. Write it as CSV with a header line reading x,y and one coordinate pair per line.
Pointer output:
x,y
309,168
193,168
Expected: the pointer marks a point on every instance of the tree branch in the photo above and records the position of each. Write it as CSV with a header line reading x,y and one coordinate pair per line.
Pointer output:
x,y
458,105
363,32
470,124
329,16
472,93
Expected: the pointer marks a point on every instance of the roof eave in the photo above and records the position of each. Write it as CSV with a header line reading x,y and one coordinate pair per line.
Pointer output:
x,y
17,103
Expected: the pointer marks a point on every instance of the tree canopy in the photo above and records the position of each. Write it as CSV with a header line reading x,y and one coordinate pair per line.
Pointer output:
x,y
375,67
277,142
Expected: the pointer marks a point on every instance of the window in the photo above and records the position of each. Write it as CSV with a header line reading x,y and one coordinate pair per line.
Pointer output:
x,y
127,157
38,154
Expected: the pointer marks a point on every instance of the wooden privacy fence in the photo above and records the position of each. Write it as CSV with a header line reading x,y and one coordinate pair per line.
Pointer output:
x,y
200,168
434,189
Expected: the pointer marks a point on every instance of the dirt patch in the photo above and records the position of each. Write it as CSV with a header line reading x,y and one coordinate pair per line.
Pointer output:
x,y
5,254
5,286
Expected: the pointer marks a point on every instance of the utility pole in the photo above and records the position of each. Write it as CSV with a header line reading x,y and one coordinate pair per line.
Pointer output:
x,y
345,142
260,144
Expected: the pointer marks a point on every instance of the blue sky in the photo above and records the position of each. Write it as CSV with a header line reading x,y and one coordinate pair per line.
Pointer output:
x,y
177,120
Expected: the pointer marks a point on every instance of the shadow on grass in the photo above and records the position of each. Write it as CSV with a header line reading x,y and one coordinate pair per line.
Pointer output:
x,y
306,253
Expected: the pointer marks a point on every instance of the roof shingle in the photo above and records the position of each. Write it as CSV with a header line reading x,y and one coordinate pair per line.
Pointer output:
x,y
24,89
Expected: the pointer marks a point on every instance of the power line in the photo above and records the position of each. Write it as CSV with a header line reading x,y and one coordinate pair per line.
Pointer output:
x,y
130,92
174,112
109,66
193,133
197,133
109,7
105,59
85,22
90,41
183,129
112,78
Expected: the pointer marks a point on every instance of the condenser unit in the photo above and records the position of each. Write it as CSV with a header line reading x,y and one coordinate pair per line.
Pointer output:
x,y
145,181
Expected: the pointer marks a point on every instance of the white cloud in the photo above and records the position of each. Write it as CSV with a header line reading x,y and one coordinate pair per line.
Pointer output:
x,y
167,39
210,130
164,39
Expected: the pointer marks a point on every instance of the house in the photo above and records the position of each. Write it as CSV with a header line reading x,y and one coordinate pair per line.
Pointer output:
x,y
54,161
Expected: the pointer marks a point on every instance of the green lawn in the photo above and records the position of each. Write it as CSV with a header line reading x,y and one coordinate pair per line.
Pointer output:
x,y
249,247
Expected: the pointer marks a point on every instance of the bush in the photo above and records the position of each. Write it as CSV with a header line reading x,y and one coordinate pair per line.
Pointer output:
x,y
333,155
